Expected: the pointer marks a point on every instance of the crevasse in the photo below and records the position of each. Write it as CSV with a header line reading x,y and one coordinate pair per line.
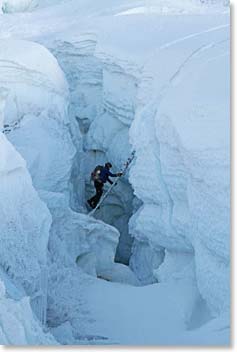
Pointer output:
x,y
94,95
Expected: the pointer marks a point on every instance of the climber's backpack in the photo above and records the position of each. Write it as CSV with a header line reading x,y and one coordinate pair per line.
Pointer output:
x,y
95,175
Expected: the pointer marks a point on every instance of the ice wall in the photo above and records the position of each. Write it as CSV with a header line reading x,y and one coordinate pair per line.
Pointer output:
x,y
44,134
25,229
82,240
24,233
41,132
18,326
84,76
100,113
119,78
34,98
184,143
81,251
108,139
36,112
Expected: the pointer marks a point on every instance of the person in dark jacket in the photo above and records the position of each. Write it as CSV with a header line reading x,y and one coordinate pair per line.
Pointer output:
x,y
99,183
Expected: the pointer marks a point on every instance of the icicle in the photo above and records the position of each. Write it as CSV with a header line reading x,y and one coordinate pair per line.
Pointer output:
x,y
39,300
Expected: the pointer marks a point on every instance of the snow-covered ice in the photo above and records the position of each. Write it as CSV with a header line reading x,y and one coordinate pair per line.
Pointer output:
x,y
18,326
190,129
83,82
11,6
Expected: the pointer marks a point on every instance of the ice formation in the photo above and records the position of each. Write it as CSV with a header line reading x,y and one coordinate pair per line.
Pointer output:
x,y
190,166
37,107
25,228
11,6
82,83
18,325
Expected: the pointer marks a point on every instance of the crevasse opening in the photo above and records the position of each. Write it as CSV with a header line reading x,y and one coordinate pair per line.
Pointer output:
x,y
74,94
101,114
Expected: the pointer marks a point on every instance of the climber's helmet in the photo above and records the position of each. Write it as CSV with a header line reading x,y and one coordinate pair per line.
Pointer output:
x,y
108,165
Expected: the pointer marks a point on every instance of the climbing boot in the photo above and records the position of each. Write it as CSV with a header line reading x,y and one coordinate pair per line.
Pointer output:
x,y
90,204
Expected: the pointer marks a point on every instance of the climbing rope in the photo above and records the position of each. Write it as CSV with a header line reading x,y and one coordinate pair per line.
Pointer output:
x,y
123,171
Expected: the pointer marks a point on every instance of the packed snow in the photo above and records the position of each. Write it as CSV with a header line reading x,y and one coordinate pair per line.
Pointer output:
x,y
83,82
10,6
18,325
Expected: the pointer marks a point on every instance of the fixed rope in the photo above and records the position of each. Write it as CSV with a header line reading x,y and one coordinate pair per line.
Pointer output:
x,y
123,171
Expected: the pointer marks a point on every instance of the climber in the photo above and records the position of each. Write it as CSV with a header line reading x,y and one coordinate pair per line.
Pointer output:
x,y
100,176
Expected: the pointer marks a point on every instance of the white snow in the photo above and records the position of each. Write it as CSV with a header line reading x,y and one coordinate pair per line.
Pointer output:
x,y
35,81
77,238
36,111
85,82
11,6
24,231
190,133
18,326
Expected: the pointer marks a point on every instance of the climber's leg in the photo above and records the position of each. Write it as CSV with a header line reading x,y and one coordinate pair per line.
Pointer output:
x,y
99,191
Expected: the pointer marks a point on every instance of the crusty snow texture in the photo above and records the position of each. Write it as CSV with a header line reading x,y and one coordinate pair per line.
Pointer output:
x,y
18,326
84,82
188,211
10,6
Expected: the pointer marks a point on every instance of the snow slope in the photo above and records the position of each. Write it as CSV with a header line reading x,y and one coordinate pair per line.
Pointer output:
x,y
126,318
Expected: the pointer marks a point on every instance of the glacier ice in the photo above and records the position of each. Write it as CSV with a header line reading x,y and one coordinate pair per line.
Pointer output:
x,y
74,94
25,229
24,237
78,239
189,163
36,106
18,325
11,6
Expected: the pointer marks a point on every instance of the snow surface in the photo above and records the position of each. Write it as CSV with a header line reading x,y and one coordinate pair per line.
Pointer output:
x,y
10,6
83,82
18,326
